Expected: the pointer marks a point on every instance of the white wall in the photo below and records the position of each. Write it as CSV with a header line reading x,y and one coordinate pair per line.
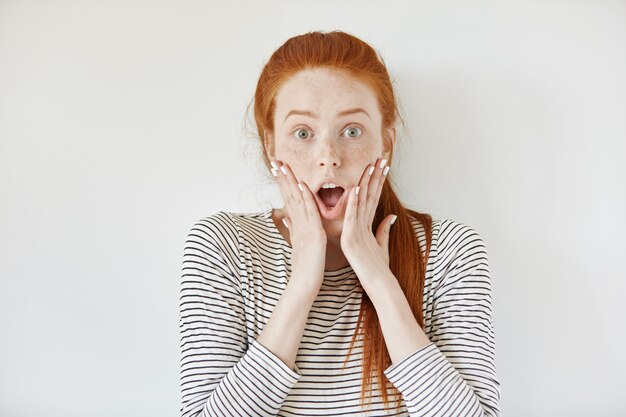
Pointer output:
x,y
121,124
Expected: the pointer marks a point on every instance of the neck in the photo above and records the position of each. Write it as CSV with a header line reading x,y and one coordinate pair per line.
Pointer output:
x,y
335,258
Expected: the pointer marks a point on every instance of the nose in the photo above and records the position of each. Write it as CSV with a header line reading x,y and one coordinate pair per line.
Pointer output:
x,y
329,155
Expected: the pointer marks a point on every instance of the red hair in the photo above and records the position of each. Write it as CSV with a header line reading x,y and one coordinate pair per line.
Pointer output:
x,y
344,52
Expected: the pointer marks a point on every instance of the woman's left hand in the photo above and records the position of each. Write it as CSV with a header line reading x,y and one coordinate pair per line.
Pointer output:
x,y
368,254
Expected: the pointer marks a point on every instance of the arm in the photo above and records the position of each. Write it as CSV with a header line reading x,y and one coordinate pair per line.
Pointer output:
x,y
283,332
221,375
455,373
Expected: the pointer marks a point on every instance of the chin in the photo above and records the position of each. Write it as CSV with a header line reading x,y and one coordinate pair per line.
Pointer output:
x,y
333,227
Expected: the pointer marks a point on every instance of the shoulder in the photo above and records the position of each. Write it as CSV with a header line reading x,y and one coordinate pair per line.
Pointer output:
x,y
216,241
228,227
461,256
455,238
221,235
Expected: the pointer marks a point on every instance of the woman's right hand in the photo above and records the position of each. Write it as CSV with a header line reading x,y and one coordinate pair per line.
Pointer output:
x,y
304,222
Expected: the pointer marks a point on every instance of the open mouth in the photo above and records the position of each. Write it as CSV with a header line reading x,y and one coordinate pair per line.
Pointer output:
x,y
330,202
330,196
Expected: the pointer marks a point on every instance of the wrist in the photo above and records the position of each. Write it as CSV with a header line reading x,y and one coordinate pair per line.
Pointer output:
x,y
384,287
305,285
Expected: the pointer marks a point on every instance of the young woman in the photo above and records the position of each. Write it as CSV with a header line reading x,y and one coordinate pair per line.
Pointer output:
x,y
343,301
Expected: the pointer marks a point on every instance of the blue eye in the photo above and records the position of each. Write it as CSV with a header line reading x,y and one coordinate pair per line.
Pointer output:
x,y
353,132
302,134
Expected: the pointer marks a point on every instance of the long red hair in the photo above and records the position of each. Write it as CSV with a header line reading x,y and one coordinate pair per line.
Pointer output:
x,y
342,51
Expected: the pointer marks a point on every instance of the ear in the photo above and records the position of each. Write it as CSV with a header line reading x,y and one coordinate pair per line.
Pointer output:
x,y
389,142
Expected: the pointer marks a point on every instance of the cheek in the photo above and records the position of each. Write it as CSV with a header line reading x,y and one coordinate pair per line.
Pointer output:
x,y
359,160
361,157
293,156
354,160
298,160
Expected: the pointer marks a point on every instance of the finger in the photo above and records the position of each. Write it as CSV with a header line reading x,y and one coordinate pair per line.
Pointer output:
x,y
363,191
295,190
280,180
312,210
274,169
351,213
288,193
378,178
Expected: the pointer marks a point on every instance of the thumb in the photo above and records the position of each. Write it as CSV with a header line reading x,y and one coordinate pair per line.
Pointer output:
x,y
382,234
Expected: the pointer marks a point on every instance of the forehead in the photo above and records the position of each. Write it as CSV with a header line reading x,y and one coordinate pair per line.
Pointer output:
x,y
323,89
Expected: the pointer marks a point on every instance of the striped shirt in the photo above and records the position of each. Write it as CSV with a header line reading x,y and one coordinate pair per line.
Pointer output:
x,y
234,270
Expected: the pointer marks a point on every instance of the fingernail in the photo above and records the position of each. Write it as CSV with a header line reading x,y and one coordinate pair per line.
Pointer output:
x,y
372,169
285,223
386,170
274,165
382,163
394,219
282,168
274,173
300,187
357,190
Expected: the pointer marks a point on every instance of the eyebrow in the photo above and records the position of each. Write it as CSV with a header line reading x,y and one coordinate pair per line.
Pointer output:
x,y
313,115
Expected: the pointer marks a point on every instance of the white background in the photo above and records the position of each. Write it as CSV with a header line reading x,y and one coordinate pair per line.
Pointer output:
x,y
122,123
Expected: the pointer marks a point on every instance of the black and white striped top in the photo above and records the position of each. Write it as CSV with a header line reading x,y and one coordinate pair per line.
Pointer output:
x,y
234,270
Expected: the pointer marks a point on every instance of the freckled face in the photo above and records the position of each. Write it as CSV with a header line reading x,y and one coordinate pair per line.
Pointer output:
x,y
324,143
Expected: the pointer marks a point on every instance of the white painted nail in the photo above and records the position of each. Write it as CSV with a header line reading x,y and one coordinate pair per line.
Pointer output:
x,y
394,219
382,163
274,173
282,168
372,169
285,223
357,190
274,165
300,187
386,170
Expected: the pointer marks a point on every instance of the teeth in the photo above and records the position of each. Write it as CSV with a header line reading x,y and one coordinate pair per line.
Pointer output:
x,y
329,185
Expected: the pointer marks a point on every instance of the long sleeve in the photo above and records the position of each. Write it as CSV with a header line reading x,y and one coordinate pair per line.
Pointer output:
x,y
222,373
455,375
